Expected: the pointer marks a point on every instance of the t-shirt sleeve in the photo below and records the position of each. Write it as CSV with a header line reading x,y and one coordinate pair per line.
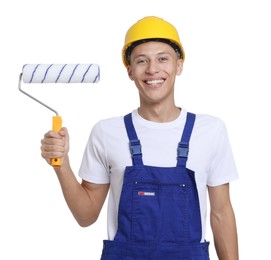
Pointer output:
x,y
222,166
94,166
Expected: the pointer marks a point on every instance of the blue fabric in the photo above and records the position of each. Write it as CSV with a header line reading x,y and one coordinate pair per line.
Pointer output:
x,y
135,146
114,250
159,214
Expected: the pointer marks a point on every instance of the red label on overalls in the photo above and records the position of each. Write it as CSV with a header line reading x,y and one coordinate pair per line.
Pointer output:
x,y
146,193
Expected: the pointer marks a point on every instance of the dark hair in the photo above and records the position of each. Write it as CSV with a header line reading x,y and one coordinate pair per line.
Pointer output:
x,y
136,43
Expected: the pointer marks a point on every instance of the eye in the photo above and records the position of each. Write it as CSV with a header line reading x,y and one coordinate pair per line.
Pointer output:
x,y
163,59
141,61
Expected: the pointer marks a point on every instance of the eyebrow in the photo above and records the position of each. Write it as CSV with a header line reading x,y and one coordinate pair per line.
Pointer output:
x,y
159,53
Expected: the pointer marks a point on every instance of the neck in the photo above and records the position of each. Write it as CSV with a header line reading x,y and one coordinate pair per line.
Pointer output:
x,y
159,114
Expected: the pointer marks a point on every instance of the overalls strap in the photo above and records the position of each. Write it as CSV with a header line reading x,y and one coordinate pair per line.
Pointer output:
x,y
183,146
135,146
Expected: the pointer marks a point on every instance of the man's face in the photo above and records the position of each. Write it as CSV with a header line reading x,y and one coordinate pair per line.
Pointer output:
x,y
153,67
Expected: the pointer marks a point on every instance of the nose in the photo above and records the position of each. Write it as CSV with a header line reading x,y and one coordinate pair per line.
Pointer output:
x,y
152,67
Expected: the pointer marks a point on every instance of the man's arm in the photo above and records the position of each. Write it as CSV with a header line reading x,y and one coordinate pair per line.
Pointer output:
x,y
223,223
85,200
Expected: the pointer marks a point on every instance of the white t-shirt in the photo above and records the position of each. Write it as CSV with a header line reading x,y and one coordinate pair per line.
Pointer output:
x,y
107,154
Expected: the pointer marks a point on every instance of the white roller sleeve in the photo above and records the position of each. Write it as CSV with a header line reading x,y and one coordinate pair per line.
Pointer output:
x,y
61,73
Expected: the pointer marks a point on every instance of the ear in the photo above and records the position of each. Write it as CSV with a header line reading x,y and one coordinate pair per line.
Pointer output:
x,y
179,67
130,74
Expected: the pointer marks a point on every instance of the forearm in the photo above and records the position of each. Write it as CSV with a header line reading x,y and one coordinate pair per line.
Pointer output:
x,y
225,234
76,197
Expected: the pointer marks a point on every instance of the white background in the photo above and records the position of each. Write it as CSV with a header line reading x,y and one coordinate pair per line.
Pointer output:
x,y
226,74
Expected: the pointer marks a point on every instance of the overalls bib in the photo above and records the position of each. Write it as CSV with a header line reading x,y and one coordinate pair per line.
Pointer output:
x,y
159,213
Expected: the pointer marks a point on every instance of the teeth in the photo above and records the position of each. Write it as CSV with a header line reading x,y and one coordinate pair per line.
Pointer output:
x,y
153,82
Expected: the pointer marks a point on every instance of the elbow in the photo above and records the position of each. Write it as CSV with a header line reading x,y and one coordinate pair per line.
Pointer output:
x,y
86,222
221,219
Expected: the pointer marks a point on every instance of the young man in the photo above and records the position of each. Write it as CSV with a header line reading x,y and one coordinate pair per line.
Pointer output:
x,y
157,163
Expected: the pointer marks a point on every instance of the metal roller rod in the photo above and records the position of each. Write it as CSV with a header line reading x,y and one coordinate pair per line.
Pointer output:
x,y
27,94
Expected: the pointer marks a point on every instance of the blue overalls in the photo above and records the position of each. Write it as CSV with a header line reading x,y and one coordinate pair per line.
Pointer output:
x,y
159,214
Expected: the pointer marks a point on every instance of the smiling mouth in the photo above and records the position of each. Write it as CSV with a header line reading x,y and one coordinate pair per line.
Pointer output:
x,y
154,82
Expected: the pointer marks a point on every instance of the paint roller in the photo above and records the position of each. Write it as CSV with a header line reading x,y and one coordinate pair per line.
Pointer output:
x,y
58,73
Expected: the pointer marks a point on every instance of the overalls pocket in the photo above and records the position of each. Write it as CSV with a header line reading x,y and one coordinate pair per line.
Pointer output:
x,y
160,212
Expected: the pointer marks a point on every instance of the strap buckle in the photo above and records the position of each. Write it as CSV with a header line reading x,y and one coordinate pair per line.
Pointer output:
x,y
135,147
183,149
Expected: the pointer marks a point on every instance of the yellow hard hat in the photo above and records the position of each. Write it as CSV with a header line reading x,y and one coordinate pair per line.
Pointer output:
x,y
151,28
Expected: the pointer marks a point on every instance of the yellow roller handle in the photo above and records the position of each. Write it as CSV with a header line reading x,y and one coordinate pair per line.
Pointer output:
x,y
57,125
